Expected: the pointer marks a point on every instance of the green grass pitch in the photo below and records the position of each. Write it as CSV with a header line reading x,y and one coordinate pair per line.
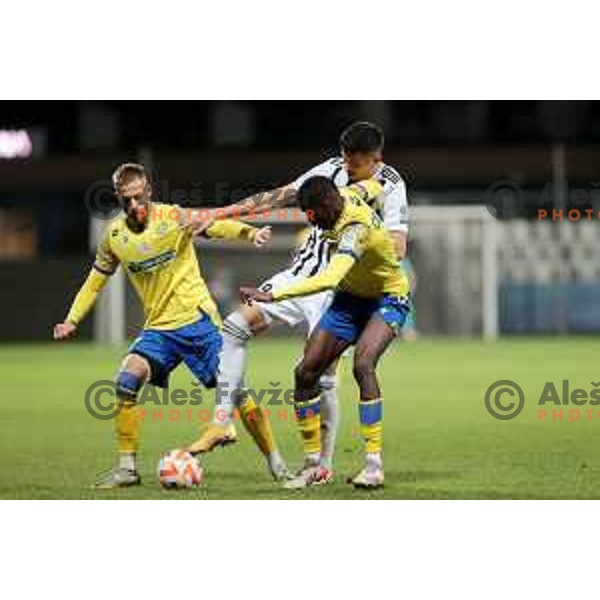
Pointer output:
x,y
440,442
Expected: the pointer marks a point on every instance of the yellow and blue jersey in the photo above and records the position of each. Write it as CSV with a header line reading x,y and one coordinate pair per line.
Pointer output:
x,y
162,265
364,263
182,320
360,233
364,270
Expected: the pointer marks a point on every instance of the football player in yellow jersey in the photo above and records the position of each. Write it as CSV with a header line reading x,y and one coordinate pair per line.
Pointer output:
x,y
370,304
153,243
361,147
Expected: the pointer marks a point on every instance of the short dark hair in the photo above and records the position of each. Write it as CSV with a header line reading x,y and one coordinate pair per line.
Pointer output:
x,y
314,190
125,170
362,136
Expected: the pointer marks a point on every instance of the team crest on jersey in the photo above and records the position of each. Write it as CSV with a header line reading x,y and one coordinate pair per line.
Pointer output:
x,y
162,228
144,248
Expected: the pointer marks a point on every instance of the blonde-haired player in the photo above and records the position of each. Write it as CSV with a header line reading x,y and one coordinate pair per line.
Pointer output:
x,y
153,243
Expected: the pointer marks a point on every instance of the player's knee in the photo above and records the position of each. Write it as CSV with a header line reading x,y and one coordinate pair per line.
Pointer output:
x,y
256,320
300,374
136,364
236,329
305,376
128,385
134,371
364,368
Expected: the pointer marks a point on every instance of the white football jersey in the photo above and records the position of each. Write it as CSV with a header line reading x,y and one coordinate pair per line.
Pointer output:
x,y
391,206
313,255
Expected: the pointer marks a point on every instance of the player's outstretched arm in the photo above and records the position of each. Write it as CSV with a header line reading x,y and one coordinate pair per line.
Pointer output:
x,y
253,205
227,229
214,223
257,204
85,299
350,249
105,264
327,280
281,197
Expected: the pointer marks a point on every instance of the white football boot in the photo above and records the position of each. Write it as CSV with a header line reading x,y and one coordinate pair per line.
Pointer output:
x,y
370,478
309,475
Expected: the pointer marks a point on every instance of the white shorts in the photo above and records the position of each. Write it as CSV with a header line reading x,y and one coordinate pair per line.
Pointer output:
x,y
306,309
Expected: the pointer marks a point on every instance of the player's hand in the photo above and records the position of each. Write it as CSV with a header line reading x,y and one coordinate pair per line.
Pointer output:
x,y
200,225
64,331
262,237
248,295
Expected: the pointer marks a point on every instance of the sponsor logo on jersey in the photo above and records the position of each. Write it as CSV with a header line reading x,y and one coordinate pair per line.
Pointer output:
x,y
151,263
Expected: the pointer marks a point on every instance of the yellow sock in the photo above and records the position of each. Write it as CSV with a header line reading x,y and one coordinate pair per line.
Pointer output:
x,y
128,427
371,429
258,426
309,423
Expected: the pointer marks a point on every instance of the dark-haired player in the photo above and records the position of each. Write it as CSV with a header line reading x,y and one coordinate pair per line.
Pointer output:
x,y
361,147
369,306
153,243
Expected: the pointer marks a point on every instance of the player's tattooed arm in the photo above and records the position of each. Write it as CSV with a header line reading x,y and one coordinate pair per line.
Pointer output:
x,y
215,224
262,202
281,197
194,221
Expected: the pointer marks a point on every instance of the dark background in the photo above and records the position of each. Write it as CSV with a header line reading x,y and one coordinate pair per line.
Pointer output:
x,y
210,153
288,125
234,148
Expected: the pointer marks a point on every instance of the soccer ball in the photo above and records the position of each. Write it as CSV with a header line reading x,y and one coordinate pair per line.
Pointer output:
x,y
178,469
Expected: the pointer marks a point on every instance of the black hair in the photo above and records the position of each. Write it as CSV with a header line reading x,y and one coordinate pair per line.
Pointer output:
x,y
363,137
314,190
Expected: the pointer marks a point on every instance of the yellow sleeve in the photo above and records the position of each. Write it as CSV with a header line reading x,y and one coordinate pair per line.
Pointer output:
x,y
106,262
327,280
366,190
86,296
228,229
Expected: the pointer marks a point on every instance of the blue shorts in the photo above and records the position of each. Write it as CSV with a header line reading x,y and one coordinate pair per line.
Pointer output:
x,y
348,314
198,345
